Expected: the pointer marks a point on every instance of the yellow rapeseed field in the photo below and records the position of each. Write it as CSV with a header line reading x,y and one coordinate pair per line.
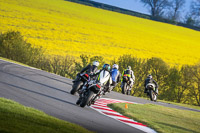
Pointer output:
x,y
66,28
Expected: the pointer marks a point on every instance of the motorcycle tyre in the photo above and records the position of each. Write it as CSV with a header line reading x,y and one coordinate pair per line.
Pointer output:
x,y
151,94
87,99
128,92
124,88
76,86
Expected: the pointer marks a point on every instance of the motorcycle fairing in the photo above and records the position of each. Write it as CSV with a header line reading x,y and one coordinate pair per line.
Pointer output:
x,y
104,77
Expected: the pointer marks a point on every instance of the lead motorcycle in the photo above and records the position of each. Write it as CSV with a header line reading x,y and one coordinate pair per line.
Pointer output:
x,y
126,89
94,89
91,94
151,91
79,82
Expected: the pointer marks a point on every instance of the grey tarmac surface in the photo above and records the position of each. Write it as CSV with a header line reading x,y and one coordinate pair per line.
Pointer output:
x,y
50,93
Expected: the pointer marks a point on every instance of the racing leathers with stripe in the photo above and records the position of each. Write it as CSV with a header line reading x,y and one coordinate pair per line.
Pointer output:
x,y
131,76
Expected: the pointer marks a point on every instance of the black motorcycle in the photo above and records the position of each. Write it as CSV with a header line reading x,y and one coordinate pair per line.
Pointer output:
x,y
78,83
90,94
126,89
151,91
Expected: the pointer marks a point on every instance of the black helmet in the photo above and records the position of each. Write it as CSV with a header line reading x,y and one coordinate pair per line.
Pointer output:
x,y
106,67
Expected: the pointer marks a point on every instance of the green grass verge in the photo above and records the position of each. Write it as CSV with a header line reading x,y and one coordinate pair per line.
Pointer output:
x,y
181,104
16,118
162,119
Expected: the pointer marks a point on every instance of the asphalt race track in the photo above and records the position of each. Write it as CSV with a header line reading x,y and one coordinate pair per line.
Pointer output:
x,y
50,93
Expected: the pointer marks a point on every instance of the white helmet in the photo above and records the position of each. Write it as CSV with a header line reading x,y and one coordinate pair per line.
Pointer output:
x,y
115,66
150,76
96,63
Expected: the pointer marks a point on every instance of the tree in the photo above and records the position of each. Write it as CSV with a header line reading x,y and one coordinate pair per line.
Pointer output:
x,y
174,13
195,7
157,7
195,11
195,89
160,70
185,83
173,82
189,20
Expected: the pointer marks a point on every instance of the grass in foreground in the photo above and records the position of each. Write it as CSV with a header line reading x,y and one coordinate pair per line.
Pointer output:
x,y
162,119
16,118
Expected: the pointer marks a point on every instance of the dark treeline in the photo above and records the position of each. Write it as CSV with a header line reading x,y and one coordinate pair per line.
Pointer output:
x,y
175,84
132,13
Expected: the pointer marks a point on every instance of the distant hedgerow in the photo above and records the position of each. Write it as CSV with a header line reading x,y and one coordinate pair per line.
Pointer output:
x,y
14,47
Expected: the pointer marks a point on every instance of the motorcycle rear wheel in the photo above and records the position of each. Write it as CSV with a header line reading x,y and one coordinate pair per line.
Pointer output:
x,y
76,86
87,99
128,92
124,88
153,95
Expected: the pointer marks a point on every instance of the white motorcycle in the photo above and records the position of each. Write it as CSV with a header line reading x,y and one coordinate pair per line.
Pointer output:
x,y
151,91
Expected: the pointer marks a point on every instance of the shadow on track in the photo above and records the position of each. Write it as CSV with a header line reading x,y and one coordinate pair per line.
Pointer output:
x,y
21,88
36,82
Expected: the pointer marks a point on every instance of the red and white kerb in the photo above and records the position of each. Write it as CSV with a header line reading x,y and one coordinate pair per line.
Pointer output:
x,y
101,106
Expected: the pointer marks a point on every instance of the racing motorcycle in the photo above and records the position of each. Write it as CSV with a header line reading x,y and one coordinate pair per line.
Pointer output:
x,y
91,94
95,89
79,82
151,91
126,89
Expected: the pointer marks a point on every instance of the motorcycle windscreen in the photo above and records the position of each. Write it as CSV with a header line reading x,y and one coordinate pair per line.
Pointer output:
x,y
104,77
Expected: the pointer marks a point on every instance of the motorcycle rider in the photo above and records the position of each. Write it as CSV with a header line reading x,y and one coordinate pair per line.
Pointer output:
x,y
104,77
150,79
116,76
90,69
107,81
130,74
79,82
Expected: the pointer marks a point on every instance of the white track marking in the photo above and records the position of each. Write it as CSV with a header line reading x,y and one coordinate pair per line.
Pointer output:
x,y
101,106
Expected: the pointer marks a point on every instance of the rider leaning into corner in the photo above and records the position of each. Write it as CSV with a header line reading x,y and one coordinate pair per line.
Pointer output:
x,y
116,76
130,74
90,69
104,78
150,79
